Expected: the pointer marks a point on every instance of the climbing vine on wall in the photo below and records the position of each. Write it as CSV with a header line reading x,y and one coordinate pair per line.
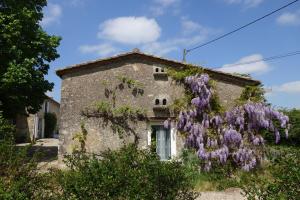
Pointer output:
x,y
119,118
253,94
80,137
183,103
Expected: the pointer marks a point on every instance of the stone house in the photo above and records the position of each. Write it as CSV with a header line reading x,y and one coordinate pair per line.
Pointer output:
x,y
83,85
32,126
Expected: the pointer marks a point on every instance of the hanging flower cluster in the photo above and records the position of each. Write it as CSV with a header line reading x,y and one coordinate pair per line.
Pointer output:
x,y
233,136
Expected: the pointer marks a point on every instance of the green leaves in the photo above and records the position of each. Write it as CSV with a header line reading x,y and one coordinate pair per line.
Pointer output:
x,y
26,51
128,173
283,181
253,94
180,74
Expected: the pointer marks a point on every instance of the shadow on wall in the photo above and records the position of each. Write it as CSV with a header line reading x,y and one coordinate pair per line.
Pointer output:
x,y
22,129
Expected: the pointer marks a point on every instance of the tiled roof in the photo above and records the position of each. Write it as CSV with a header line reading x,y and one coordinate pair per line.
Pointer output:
x,y
137,53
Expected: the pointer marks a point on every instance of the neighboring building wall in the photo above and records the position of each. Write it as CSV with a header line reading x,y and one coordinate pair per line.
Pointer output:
x,y
22,129
32,127
82,88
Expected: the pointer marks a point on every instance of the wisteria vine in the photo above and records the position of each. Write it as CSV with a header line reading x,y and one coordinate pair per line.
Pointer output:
x,y
231,137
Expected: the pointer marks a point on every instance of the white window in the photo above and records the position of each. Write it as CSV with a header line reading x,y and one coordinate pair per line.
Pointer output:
x,y
161,138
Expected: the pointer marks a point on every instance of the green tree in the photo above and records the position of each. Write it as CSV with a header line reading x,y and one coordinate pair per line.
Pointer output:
x,y
25,52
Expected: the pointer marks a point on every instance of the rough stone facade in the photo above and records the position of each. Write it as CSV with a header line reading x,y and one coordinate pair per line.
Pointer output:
x,y
82,86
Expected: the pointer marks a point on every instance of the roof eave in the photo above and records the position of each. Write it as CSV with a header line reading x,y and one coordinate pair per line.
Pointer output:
x,y
63,71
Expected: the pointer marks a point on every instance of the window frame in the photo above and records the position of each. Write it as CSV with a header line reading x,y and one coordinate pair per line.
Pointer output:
x,y
173,139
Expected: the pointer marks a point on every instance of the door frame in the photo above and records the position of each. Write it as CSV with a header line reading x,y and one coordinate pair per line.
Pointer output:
x,y
173,135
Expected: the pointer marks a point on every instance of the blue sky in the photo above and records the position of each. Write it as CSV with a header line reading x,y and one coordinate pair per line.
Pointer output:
x,y
92,29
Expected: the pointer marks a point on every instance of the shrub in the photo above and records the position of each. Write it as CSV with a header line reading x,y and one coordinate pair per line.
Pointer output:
x,y
50,124
6,129
125,174
294,132
284,180
218,178
19,179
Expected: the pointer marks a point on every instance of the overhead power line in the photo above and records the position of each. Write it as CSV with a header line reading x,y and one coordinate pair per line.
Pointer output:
x,y
266,59
186,51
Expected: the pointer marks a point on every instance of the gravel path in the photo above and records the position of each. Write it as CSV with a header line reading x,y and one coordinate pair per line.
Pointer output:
x,y
230,194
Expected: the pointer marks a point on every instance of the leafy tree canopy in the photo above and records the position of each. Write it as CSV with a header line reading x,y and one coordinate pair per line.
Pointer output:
x,y
25,52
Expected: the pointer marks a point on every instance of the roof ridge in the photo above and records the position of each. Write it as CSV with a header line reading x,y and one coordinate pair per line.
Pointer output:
x,y
62,71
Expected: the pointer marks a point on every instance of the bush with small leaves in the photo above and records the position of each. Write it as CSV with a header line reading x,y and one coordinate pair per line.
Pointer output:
x,y
125,174
17,172
284,179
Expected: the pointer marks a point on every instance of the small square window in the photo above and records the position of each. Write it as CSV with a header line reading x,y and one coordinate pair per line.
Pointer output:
x,y
164,102
156,101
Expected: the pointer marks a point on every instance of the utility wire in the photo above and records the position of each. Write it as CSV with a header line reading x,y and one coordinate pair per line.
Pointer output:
x,y
266,59
186,51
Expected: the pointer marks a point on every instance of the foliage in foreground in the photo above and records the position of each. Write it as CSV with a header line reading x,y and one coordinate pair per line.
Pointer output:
x,y
284,182
125,174
18,175
25,52
294,132
218,178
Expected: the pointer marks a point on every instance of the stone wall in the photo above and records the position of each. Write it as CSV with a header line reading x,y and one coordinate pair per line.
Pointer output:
x,y
81,89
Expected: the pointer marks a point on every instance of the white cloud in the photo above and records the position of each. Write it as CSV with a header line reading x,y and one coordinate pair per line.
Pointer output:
x,y
245,3
258,67
101,49
160,6
192,33
166,3
289,18
174,44
76,2
289,87
145,33
130,30
190,27
52,14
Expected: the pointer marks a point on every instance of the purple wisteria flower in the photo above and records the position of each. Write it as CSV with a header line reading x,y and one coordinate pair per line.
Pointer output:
x,y
234,135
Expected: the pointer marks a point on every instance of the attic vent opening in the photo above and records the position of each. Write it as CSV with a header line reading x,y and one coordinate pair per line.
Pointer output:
x,y
164,102
156,101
